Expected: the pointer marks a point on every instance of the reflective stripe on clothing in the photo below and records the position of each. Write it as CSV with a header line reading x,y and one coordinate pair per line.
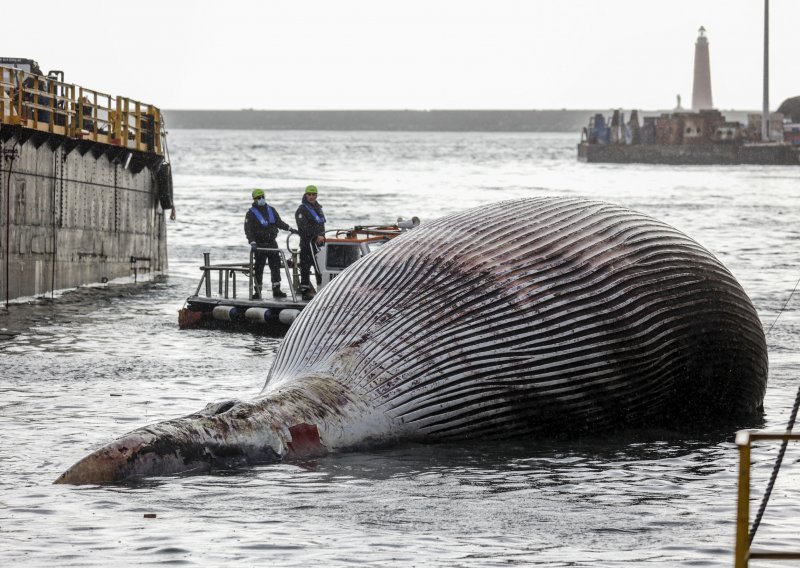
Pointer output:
x,y
260,217
317,217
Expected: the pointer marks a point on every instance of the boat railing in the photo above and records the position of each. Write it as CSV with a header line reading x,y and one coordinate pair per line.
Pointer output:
x,y
226,275
49,105
376,233
744,552
284,264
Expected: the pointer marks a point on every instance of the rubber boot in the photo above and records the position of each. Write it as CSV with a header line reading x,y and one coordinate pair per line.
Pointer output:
x,y
276,291
308,292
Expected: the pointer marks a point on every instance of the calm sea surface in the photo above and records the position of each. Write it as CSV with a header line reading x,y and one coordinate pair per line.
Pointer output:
x,y
97,363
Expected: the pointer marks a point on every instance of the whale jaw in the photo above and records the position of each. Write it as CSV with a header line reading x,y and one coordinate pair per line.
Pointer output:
x,y
129,457
310,418
222,435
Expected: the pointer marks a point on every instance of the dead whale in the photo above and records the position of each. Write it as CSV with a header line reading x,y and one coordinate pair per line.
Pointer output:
x,y
525,317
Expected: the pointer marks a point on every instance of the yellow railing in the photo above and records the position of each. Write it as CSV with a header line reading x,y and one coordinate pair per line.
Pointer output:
x,y
744,554
49,105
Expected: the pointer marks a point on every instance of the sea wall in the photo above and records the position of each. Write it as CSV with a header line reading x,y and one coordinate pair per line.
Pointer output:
x,y
383,120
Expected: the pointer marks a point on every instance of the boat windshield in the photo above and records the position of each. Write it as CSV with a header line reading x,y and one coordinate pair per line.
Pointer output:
x,y
341,256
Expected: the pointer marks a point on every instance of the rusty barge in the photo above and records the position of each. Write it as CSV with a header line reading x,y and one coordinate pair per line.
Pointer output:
x,y
85,184
689,138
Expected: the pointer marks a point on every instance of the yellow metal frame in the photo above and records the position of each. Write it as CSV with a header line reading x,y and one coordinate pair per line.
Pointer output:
x,y
48,105
744,554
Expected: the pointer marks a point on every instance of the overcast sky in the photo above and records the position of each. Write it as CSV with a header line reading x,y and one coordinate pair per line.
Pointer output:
x,y
411,54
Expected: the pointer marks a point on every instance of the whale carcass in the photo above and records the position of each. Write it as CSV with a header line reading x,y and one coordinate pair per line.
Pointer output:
x,y
527,317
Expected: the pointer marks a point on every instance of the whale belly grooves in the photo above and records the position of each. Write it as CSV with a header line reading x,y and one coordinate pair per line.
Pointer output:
x,y
534,316
537,315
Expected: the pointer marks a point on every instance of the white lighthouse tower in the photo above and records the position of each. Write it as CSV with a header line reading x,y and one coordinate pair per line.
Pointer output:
x,y
701,91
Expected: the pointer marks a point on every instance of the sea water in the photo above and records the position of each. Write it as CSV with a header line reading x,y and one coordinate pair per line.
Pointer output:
x,y
82,369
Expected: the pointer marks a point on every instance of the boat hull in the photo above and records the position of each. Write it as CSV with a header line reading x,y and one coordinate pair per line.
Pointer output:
x,y
269,317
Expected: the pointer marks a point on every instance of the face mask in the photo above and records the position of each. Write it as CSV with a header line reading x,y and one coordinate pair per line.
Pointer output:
x,y
262,201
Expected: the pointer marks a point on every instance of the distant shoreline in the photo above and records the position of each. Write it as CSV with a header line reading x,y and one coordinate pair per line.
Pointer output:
x,y
397,120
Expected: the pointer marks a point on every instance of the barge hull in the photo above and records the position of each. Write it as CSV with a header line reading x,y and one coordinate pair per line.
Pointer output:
x,y
686,154
75,212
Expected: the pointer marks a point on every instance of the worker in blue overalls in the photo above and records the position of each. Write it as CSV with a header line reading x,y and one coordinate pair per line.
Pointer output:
x,y
261,224
311,225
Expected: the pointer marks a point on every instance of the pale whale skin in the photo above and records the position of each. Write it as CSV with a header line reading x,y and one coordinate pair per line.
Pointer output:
x,y
527,317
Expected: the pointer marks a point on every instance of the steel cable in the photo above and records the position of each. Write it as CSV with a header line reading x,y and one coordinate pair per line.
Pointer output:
x,y
784,306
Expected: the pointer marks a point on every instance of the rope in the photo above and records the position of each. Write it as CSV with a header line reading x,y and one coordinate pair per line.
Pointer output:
x,y
784,306
10,156
164,137
56,160
778,461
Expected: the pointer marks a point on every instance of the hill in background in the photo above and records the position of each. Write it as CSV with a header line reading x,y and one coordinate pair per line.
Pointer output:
x,y
398,120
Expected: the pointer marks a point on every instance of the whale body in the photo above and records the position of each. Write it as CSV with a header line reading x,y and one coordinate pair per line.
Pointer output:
x,y
529,317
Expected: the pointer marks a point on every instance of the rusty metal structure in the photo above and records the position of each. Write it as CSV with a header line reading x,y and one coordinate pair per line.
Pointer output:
x,y
84,182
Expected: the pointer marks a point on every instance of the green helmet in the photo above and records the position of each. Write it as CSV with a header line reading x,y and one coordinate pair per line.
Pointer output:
x,y
258,193
311,189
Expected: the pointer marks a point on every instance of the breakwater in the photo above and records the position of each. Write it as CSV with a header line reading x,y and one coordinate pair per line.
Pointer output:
x,y
391,120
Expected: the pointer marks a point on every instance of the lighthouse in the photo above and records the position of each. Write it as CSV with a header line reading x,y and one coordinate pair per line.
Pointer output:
x,y
701,91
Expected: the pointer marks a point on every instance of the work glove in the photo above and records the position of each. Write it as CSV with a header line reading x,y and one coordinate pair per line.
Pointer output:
x,y
253,246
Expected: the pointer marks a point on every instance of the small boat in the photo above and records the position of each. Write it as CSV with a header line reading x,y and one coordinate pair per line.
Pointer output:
x,y
224,295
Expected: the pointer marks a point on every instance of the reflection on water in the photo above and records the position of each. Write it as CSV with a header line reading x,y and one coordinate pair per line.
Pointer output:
x,y
94,364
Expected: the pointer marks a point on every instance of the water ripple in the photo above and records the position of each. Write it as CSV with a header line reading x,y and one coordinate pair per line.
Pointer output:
x,y
88,366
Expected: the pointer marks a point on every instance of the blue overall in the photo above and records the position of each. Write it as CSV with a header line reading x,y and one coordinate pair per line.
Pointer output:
x,y
261,224
310,224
